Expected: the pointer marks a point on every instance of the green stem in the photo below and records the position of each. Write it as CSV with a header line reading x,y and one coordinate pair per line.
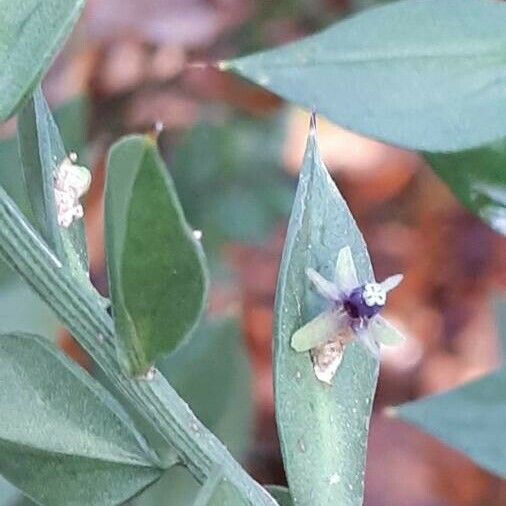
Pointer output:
x,y
199,450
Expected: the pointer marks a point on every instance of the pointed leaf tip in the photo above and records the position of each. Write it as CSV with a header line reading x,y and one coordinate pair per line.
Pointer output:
x,y
312,124
333,433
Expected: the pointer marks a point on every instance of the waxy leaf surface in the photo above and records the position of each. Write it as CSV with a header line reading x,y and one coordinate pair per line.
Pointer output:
x,y
323,429
469,418
63,439
156,268
31,33
423,74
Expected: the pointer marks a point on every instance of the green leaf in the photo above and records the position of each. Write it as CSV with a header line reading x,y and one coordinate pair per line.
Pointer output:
x,y
360,5
71,117
42,151
230,180
31,34
72,120
11,178
423,74
156,267
500,313
281,494
12,182
222,401
469,418
217,491
323,429
155,401
212,374
477,177
22,310
8,493
63,439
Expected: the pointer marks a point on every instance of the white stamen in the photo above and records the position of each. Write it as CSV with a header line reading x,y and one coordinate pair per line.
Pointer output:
x,y
374,295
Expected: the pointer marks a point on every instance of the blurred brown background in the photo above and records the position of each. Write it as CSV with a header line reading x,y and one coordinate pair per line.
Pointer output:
x,y
142,62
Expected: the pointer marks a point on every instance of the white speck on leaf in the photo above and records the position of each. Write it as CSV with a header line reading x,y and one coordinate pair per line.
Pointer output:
x,y
149,376
334,479
263,80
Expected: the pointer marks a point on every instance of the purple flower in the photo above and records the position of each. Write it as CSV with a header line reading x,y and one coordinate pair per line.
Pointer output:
x,y
353,313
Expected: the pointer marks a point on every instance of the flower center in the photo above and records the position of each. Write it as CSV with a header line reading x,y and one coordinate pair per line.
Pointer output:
x,y
365,301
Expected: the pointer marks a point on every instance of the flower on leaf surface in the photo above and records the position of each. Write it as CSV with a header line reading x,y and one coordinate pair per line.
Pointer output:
x,y
353,313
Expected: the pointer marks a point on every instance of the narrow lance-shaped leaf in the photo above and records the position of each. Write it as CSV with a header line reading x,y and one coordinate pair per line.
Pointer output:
x,y
477,177
322,428
42,153
424,74
63,439
32,31
469,418
156,266
72,118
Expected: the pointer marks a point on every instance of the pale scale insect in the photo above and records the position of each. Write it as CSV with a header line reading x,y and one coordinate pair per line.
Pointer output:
x,y
71,182
353,313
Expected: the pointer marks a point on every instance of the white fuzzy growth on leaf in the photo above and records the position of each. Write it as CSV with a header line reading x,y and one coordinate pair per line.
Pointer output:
x,y
70,183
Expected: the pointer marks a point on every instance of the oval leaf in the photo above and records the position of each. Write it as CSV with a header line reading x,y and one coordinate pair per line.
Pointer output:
x,y
469,418
31,33
323,429
477,177
63,439
424,74
156,267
